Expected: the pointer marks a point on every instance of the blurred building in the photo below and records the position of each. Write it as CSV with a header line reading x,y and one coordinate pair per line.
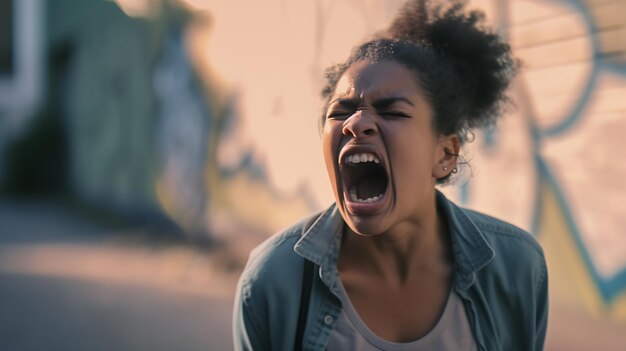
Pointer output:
x,y
111,109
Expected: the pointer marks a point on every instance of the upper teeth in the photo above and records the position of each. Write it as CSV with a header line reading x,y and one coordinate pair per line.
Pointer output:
x,y
364,157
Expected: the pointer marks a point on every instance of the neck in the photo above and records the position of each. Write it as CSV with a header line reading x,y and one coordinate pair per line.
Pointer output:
x,y
417,244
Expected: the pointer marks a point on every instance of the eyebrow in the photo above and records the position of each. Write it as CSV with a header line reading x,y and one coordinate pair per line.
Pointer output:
x,y
353,103
388,101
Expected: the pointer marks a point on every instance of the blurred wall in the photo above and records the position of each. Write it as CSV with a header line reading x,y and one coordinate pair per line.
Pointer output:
x,y
206,112
550,167
20,66
129,125
554,157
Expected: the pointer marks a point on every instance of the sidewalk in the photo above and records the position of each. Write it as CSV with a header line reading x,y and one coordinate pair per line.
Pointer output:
x,y
69,284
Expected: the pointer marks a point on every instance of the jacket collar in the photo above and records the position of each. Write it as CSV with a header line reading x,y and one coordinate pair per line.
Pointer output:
x,y
321,242
470,248
316,241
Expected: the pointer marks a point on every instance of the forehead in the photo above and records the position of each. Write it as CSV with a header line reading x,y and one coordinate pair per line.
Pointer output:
x,y
367,79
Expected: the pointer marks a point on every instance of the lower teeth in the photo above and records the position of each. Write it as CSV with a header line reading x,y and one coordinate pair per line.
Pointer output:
x,y
354,198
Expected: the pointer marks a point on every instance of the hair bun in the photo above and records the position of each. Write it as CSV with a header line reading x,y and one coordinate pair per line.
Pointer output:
x,y
481,58
411,23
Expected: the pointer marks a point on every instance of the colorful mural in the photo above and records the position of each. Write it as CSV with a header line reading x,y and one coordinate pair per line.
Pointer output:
x,y
550,167
571,116
206,112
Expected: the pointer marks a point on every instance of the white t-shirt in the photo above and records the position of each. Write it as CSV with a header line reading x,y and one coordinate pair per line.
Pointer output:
x,y
452,331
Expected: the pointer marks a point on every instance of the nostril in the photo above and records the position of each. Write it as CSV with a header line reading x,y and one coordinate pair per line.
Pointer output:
x,y
358,129
348,132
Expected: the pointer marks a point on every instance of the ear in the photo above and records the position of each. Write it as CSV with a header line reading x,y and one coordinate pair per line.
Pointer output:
x,y
446,156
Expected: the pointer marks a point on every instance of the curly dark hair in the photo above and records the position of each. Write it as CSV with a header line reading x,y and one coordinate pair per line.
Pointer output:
x,y
463,67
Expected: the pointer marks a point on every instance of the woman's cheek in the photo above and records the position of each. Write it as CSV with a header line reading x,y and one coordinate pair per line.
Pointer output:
x,y
331,139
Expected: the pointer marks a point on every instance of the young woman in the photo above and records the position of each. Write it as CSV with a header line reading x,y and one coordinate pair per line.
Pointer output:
x,y
393,264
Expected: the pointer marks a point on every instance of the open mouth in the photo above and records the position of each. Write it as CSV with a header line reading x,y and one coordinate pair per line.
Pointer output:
x,y
364,177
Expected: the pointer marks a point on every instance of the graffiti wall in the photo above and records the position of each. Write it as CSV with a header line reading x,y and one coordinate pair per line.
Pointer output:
x,y
206,111
551,167
554,154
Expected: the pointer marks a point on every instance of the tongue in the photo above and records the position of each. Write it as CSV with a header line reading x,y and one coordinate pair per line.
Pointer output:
x,y
370,187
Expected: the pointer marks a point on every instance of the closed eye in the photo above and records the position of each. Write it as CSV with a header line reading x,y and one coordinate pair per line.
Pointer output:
x,y
338,114
396,114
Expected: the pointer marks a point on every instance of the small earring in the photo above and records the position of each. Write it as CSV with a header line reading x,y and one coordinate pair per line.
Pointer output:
x,y
445,168
454,170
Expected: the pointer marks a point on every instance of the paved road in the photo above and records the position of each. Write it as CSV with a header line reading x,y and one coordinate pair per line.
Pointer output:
x,y
69,284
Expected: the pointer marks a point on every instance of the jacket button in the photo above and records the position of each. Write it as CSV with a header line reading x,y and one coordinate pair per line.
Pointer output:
x,y
328,319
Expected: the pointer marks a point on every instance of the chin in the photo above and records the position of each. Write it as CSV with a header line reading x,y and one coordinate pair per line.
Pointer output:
x,y
368,226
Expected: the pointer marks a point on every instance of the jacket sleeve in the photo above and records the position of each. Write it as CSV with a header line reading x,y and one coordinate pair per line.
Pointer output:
x,y
542,308
249,332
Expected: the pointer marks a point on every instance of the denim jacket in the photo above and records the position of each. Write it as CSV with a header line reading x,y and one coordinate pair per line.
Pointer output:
x,y
500,274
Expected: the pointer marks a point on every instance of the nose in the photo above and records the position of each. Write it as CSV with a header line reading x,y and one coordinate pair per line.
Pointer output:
x,y
359,125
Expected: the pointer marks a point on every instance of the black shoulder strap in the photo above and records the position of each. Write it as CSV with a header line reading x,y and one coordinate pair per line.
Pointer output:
x,y
307,279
